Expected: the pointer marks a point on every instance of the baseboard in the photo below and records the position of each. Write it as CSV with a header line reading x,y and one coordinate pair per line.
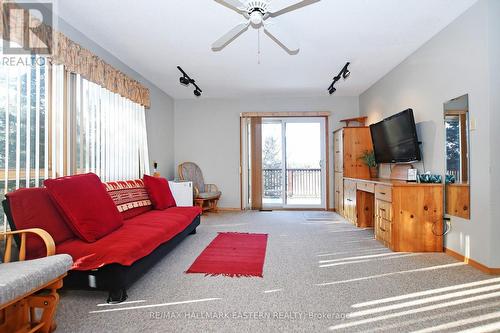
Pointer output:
x,y
228,209
472,262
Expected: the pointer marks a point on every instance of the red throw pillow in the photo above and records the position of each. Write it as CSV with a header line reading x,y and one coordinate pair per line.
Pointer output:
x,y
159,192
88,208
33,208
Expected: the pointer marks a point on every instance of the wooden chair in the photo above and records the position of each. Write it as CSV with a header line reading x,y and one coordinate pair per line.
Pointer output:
x,y
206,196
28,286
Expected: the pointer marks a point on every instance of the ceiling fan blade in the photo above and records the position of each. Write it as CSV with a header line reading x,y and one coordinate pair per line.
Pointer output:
x,y
281,7
237,4
282,38
230,36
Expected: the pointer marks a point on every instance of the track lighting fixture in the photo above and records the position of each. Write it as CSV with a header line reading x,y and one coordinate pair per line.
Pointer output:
x,y
344,73
186,80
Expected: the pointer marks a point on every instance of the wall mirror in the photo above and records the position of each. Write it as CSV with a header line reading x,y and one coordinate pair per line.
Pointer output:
x,y
457,177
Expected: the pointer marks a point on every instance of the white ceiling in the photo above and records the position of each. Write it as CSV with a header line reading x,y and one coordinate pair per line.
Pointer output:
x,y
154,36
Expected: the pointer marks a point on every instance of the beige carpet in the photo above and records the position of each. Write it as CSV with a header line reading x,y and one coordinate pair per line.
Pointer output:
x,y
321,274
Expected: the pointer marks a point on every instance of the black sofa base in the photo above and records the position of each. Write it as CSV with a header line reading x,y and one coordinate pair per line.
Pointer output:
x,y
116,278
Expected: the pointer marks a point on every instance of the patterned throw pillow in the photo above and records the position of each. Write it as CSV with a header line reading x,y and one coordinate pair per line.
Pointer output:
x,y
128,194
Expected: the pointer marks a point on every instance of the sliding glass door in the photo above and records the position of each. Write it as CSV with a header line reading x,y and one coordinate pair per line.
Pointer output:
x,y
293,168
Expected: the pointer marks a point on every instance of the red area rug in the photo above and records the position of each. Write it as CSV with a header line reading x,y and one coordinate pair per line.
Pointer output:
x,y
232,254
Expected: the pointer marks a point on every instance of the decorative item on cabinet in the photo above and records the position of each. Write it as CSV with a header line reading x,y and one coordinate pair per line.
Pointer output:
x,y
155,169
368,158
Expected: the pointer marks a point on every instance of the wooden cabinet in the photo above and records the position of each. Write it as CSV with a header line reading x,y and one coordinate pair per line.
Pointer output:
x,y
417,224
350,201
406,217
458,200
348,145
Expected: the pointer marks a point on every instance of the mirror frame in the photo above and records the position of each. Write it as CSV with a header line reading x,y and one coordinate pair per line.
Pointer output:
x,y
457,195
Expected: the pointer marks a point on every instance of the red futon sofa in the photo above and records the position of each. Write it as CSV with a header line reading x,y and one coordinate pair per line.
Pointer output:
x,y
114,231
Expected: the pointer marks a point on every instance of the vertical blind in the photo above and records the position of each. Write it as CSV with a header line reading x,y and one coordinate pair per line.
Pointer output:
x,y
54,123
111,138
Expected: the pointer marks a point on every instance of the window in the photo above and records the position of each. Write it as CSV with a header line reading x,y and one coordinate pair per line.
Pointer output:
x,y
54,123
23,125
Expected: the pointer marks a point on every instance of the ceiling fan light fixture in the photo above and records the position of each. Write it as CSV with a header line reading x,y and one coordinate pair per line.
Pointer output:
x,y
346,74
256,18
261,13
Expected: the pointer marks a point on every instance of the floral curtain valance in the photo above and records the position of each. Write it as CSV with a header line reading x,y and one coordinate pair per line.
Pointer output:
x,y
76,58
82,61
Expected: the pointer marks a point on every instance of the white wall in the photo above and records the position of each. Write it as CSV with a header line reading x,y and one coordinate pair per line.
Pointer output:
x,y
453,63
207,131
494,43
159,118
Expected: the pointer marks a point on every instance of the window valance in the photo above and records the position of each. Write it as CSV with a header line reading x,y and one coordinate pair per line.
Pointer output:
x,y
76,58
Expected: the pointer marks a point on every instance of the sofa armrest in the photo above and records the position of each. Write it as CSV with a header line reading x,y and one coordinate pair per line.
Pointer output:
x,y
211,188
9,235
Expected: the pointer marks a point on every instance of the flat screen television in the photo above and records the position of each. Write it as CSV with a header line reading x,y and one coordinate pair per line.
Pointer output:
x,y
395,139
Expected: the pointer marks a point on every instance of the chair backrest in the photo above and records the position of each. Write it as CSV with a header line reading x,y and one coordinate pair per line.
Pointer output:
x,y
192,172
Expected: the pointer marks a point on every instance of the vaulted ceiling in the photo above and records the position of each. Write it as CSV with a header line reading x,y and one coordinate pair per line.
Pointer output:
x,y
155,36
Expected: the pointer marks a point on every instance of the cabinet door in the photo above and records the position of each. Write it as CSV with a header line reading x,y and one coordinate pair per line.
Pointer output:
x,y
349,155
362,143
417,218
338,147
339,193
350,200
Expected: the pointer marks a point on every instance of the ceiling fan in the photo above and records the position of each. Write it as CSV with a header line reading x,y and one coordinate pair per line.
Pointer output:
x,y
259,14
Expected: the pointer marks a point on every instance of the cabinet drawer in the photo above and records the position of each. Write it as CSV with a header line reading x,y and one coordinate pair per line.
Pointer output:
x,y
384,230
383,192
367,187
383,209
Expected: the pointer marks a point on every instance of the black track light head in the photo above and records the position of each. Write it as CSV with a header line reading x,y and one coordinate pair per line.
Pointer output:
x,y
184,80
344,73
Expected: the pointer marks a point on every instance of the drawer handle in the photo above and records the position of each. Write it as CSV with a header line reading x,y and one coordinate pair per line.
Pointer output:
x,y
349,200
383,193
382,209
382,229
